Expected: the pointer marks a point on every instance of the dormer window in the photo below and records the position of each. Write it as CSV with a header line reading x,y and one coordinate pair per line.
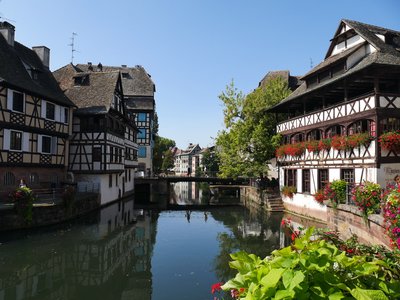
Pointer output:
x,y
125,75
81,79
50,111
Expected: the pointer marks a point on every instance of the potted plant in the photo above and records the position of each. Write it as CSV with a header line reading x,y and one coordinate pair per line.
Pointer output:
x,y
319,196
335,192
391,214
324,144
312,146
358,139
338,142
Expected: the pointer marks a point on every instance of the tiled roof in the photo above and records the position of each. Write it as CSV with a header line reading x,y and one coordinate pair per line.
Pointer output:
x,y
13,73
96,93
136,82
293,81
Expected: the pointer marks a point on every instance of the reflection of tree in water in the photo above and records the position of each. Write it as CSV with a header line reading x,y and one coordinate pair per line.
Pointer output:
x,y
253,232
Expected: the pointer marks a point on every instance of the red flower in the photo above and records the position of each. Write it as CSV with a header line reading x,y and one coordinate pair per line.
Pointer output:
x,y
216,287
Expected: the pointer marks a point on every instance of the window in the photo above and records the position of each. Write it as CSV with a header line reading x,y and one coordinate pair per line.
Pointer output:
x,y
33,178
50,111
323,178
111,154
390,124
15,140
46,144
142,117
306,181
110,180
9,178
348,176
360,127
291,177
17,101
66,115
334,130
96,155
142,152
142,133
298,137
314,135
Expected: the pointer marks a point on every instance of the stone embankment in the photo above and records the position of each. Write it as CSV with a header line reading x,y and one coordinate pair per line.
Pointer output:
x,y
346,219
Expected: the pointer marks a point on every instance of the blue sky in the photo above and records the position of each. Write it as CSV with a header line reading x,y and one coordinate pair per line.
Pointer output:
x,y
192,48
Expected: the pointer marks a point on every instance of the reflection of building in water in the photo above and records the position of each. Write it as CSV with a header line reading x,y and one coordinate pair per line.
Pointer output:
x,y
187,193
108,258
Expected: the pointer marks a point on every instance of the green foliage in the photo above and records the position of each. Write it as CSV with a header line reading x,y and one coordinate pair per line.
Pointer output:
x,y
161,146
249,140
335,192
288,191
210,162
367,196
23,199
312,268
168,160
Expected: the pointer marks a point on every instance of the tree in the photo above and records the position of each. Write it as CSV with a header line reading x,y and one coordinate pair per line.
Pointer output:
x,y
210,162
168,161
161,146
247,142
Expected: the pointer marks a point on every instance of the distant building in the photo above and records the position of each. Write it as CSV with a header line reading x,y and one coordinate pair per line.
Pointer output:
x,y
103,148
139,91
35,117
187,161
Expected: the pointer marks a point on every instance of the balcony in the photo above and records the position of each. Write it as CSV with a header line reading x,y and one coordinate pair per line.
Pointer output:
x,y
341,110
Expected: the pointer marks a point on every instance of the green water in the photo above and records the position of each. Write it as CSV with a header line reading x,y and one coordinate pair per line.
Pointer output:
x,y
122,252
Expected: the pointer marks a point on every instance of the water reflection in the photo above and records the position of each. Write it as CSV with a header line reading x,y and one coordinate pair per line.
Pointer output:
x,y
124,253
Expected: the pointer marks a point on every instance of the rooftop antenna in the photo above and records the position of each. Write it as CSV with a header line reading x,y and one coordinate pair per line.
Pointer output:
x,y
72,45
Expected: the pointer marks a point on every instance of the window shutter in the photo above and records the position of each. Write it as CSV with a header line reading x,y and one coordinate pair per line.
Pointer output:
x,y
25,141
57,113
9,99
54,145
39,143
43,109
6,139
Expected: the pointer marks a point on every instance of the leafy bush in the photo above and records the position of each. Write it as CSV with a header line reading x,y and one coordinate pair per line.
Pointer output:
x,y
367,197
312,268
335,192
391,212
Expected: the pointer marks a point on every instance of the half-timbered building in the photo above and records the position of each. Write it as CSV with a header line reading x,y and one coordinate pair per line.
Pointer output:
x,y
35,117
103,148
335,118
139,91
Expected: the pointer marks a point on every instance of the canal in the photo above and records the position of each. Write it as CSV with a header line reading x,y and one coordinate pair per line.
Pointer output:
x,y
127,251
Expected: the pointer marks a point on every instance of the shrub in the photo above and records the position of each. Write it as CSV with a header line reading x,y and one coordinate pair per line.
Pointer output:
x,y
312,268
391,213
288,191
319,196
367,197
23,199
335,192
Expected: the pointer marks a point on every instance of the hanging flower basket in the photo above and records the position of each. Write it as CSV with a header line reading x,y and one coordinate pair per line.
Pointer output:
x,y
358,139
295,150
312,146
338,142
324,144
390,141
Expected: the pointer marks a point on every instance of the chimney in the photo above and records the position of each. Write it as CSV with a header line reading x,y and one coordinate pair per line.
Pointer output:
x,y
124,66
44,55
100,67
8,31
90,66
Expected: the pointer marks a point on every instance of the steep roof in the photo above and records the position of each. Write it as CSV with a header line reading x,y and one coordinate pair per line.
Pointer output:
x,y
14,73
387,54
293,81
135,80
96,92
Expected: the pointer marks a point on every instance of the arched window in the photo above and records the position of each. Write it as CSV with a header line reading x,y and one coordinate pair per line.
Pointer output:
x,y
390,124
9,179
314,135
334,130
361,126
298,137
